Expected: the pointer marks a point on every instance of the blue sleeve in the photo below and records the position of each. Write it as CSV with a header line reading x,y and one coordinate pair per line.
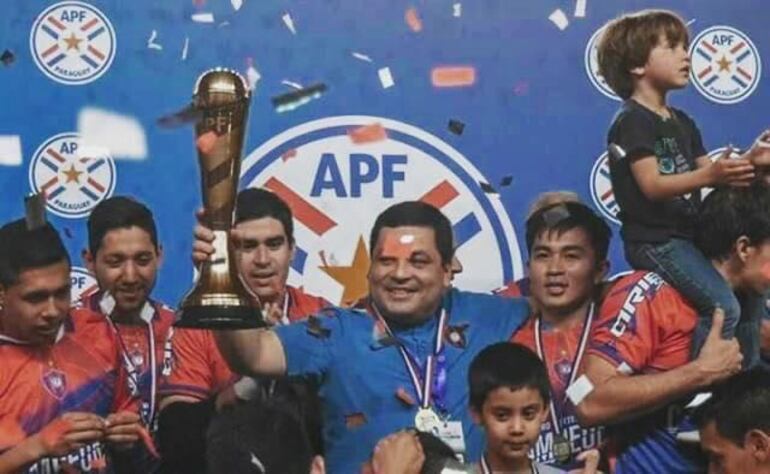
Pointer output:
x,y
517,311
309,345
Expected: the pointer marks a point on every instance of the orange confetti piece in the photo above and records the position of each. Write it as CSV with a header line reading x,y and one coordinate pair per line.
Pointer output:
x,y
368,134
413,20
453,76
206,142
398,246
404,397
148,442
289,154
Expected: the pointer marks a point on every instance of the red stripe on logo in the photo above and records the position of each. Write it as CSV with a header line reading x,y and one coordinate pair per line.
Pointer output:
x,y
708,46
95,52
89,24
303,211
96,185
50,50
50,183
704,73
56,23
737,47
441,195
743,73
56,156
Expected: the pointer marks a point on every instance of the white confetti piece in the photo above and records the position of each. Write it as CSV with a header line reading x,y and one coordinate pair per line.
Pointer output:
x,y
203,17
580,8
699,399
559,19
362,57
237,4
289,22
10,150
579,390
293,85
690,22
122,135
185,48
457,10
253,76
386,78
151,44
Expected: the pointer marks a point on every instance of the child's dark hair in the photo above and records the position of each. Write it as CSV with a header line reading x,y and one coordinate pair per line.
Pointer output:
x,y
627,41
510,365
119,212
565,216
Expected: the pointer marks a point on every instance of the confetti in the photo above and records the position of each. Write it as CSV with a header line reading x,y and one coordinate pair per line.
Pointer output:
x,y
148,442
386,78
506,181
579,390
690,22
559,19
453,76
206,142
68,232
289,22
368,134
521,88
10,150
293,85
289,154
413,20
252,76
187,115
397,247
123,136
556,214
237,4
580,8
456,127
294,99
185,47
487,188
405,397
151,44
362,57
203,17
7,57
457,10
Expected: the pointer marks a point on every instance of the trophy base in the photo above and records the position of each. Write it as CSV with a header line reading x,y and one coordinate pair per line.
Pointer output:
x,y
219,317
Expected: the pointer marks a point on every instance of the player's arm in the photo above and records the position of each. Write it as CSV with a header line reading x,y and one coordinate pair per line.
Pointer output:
x,y
658,187
617,396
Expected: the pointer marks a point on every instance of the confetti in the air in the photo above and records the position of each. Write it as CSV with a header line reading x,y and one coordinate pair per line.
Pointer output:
x,y
580,8
237,4
456,126
559,19
362,57
292,84
185,48
457,10
368,134
690,22
386,78
506,181
122,135
453,76
252,75
10,150
151,44
413,19
487,188
7,58
289,154
292,100
289,22
204,17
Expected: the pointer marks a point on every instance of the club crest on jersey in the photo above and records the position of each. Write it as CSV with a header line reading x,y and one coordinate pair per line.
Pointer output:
x,y
338,173
726,66
455,336
72,42
83,284
591,62
55,383
73,178
601,189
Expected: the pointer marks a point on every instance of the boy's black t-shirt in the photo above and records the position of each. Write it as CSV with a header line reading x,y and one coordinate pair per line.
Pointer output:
x,y
676,143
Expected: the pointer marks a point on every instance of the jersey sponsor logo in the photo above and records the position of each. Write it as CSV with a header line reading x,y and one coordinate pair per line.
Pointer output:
x,y
591,62
72,42
73,178
626,318
601,189
336,188
89,458
83,284
726,66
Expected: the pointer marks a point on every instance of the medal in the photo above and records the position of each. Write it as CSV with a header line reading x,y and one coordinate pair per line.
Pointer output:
x,y
426,420
561,449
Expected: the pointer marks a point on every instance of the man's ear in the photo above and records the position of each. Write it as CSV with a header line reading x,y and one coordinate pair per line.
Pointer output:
x,y
743,248
602,269
88,259
475,415
758,444
638,72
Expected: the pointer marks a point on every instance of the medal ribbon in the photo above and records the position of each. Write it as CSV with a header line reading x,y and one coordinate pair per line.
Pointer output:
x,y
133,372
424,389
575,362
485,469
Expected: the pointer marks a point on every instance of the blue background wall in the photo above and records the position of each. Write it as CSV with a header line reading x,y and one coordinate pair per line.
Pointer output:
x,y
532,114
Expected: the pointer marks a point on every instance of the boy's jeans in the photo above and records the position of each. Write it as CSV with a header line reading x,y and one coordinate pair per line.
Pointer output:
x,y
685,268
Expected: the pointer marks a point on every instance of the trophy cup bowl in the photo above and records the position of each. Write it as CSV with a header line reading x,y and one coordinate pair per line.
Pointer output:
x,y
220,299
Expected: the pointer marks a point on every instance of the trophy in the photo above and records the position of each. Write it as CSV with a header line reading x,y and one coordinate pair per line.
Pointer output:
x,y
219,299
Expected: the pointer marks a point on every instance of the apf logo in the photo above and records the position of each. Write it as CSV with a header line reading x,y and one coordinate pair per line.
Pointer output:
x,y
726,67
601,189
83,284
72,42
591,61
73,178
336,188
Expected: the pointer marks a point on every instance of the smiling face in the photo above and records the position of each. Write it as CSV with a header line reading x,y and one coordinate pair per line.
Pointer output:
x,y
35,306
264,256
407,277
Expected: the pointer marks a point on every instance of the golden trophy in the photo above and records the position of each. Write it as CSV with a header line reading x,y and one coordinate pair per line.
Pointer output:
x,y
219,299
